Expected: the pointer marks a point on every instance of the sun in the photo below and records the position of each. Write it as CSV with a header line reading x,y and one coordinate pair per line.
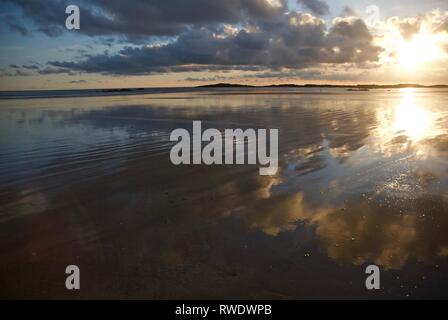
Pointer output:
x,y
422,49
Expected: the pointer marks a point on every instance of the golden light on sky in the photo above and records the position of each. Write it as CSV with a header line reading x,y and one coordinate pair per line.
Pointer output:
x,y
423,48
414,48
257,42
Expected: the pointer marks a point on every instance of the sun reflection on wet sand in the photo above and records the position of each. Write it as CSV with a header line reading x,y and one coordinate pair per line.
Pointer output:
x,y
410,119
362,179
405,125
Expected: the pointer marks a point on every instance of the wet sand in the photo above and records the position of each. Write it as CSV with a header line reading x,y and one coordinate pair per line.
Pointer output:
x,y
88,181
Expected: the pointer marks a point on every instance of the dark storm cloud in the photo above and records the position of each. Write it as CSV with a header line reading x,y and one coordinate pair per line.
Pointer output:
x,y
15,25
318,7
293,40
30,66
50,70
108,42
137,18
203,35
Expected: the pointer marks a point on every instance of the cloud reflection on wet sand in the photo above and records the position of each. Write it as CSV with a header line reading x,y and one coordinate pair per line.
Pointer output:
x,y
363,179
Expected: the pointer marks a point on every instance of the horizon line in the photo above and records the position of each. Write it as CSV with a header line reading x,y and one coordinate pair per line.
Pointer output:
x,y
240,85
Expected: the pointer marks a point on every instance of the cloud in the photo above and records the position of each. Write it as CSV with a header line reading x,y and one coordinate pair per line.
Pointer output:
x,y
408,27
17,73
51,70
443,25
435,22
78,81
317,7
14,25
292,40
137,18
205,79
349,11
30,66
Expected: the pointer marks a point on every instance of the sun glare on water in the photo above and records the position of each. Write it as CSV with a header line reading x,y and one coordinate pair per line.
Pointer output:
x,y
411,120
405,124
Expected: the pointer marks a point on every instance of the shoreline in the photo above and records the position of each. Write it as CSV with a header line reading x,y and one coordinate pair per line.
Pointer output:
x,y
222,88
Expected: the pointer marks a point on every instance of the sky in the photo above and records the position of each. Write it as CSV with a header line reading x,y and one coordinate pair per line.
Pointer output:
x,y
178,43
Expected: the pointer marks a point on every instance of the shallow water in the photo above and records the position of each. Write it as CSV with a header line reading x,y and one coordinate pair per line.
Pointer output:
x,y
88,181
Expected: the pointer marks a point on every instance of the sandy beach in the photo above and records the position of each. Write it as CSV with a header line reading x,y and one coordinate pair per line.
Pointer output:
x,y
362,179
